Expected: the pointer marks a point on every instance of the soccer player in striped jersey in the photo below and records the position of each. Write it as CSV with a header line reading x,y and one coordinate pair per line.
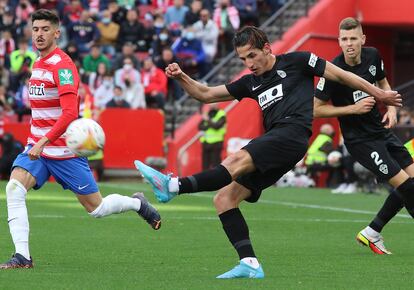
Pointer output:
x,y
53,94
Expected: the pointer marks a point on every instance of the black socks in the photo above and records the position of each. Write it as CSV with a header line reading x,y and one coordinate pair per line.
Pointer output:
x,y
390,208
237,231
209,180
406,189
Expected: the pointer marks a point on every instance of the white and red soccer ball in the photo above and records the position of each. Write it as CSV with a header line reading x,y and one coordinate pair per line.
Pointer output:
x,y
85,137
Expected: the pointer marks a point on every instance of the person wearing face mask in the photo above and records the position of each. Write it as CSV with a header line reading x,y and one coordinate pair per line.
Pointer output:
x,y
190,53
108,33
103,93
129,79
118,100
161,41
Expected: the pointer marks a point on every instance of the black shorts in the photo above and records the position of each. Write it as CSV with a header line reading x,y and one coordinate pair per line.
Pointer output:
x,y
274,153
384,157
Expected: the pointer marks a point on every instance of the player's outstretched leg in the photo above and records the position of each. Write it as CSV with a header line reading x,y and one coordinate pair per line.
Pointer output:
x,y
158,181
148,212
17,261
243,270
374,241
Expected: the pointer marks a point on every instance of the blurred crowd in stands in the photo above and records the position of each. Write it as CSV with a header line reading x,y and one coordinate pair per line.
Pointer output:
x,y
121,48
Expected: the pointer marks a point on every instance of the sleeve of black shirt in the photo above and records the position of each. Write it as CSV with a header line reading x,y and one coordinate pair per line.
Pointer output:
x,y
379,63
324,89
310,63
239,89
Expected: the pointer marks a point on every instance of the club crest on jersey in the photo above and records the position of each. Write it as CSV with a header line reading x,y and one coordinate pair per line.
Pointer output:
x,y
270,96
373,70
65,77
281,73
383,168
35,90
358,95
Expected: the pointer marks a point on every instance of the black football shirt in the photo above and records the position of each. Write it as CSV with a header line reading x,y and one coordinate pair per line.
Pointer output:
x,y
356,128
285,93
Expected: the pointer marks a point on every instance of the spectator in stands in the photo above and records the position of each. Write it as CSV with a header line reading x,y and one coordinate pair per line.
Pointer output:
x,y
226,16
167,57
193,15
133,31
176,14
4,76
83,33
404,117
348,180
207,31
47,4
93,59
127,52
23,11
103,93
161,41
21,62
158,24
72,51
72,12
118,12
4,102
161,6
7,23
21,103
109,33
129,79
118,100
190,53
155,84
7,46
247,12
97,77
316,157
275,5
10,148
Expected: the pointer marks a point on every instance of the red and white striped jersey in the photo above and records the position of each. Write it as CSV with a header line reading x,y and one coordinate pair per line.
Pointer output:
x,y
53,77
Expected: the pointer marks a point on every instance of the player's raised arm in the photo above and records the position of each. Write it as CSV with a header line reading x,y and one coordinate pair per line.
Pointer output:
x,y
334,73
197,90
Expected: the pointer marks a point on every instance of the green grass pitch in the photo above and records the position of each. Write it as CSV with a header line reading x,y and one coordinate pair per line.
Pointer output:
x,y
304,238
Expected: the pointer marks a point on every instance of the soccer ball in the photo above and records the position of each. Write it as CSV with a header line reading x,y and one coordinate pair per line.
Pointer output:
x,y
85,137
334,158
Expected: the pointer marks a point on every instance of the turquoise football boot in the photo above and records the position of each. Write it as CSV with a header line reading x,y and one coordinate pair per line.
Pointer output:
x,y
243,270
158,181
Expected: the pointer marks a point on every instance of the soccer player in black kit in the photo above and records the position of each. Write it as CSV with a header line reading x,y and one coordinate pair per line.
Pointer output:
x,y
282,85
366,133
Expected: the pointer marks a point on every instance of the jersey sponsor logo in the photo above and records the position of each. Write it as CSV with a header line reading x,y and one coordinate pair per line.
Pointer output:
x,y
37,90
358,95
379,162
312,60
373,70
321,84
255,88
270,96
281,73
65,77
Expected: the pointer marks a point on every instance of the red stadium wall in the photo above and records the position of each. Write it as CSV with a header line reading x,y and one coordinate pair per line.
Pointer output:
x,y
130,135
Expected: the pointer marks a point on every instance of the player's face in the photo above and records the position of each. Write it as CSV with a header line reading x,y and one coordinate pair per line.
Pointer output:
x,y
44,35
256,60
351,42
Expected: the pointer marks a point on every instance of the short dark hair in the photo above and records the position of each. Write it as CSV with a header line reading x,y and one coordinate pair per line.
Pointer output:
x,y
250,35
349,23
44,14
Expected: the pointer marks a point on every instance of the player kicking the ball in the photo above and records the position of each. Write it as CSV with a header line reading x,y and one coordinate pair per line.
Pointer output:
x,y
282,85
53,93
366,133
